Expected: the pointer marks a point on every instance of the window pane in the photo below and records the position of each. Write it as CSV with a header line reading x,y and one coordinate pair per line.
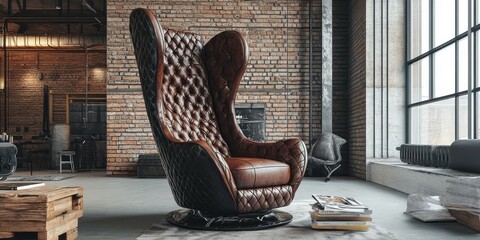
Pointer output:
x,y
444,72
443,21
478,115
419,27
463,117
433,123
420,80
478,10
463,64
462,16
477,42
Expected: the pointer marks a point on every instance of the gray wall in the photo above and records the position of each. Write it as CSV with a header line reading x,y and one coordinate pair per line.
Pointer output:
x,y
385,77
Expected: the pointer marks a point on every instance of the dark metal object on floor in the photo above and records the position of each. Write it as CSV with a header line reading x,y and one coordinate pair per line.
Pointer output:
x,y
326,152
251,120
34,151
24,156
8,160
88,131
425,155
150,166
255,221
86,153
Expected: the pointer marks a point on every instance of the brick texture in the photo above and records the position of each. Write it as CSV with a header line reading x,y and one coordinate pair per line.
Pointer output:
x,y
356,88
284,91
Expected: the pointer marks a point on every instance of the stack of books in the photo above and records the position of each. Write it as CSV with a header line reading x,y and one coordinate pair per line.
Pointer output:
x,y
339,213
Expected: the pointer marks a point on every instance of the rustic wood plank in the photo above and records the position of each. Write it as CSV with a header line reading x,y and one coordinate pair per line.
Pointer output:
x,y
64,218
468,219
31,215
59,206
45,236
72,234
13,196
68,191
25,226
6,234
38,226
54,233
77,202
39,194
64,205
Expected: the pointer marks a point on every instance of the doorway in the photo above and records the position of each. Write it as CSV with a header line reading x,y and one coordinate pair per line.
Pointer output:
x,y
88,132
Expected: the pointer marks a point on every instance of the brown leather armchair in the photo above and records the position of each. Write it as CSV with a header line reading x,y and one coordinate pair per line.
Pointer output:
x,y
189,89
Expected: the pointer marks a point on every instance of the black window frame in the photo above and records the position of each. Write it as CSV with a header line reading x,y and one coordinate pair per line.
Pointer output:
x,y
471,36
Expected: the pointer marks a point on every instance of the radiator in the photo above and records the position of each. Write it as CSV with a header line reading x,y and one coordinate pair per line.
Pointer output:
x,y
425,155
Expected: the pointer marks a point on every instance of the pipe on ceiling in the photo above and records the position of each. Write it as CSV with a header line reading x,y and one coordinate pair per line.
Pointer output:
x,y
53,41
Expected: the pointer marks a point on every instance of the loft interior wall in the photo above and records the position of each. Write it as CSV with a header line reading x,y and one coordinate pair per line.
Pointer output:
x,y
264,24
29,71
356,87
385,78
61,69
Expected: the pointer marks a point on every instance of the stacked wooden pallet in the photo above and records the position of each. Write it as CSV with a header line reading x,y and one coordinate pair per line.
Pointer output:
x,y
463,201
49,212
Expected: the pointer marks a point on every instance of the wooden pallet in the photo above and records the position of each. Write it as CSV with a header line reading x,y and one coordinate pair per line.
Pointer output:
x,y
50,212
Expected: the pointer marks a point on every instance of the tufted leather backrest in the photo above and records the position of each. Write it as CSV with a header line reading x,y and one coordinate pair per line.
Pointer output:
x,y
225,57
187,104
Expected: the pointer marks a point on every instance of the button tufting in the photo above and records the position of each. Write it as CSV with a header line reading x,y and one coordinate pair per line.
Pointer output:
x,y
184,78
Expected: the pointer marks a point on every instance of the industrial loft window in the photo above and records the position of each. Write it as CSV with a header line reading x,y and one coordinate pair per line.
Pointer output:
x,y
442,96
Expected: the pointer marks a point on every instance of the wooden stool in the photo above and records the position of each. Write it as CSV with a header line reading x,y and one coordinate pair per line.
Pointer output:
x,y
68,154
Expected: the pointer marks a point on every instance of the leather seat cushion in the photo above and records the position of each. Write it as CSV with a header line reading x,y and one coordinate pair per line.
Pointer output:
x,y
258,172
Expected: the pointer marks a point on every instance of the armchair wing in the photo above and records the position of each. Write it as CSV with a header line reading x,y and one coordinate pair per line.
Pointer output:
x,y
226,57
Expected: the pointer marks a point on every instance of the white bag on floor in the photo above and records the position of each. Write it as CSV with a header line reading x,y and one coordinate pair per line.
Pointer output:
x,y
427,208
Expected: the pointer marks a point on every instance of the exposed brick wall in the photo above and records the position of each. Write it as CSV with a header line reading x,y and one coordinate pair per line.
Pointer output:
x,y
357,87
264,24
30,71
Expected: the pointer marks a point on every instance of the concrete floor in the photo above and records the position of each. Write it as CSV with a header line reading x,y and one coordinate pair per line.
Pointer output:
x,y
123,207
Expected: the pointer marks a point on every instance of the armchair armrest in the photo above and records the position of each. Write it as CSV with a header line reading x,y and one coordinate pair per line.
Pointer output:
x,y
290,151
226,57
202,172
216,157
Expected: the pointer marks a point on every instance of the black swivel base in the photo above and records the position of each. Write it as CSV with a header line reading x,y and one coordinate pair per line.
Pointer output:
x,y
246,222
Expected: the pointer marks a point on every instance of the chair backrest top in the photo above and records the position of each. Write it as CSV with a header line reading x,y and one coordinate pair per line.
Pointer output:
x,y
174,80
327,147
187,102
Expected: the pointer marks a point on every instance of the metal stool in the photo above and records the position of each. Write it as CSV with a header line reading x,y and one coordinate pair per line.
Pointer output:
x,y
68,154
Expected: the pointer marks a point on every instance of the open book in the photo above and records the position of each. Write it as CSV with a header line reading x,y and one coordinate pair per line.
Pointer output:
x,y
20,185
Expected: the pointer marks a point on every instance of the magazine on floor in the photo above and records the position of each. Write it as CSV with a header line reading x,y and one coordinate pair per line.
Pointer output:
x,y
20,185
338,203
